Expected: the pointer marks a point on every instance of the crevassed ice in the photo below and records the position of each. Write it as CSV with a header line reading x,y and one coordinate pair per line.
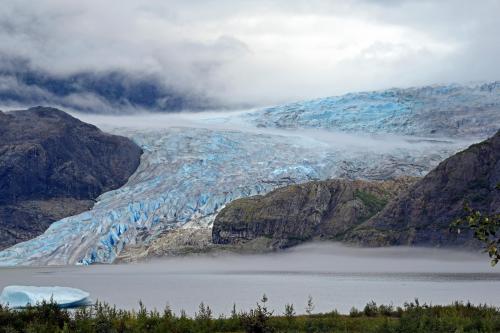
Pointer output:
x,y
187,175
450,110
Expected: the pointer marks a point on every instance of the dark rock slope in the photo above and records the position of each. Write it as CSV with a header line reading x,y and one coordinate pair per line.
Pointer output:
x,y
52,166
296,213
422,215
372,213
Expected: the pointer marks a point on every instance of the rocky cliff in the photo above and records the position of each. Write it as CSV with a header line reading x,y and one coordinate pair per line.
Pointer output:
x,y
372,213
188,174
422,215
53,165
296,213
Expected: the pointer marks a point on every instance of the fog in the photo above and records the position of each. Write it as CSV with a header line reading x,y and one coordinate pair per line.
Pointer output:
x,y
235,121
330,257
337,277
255,52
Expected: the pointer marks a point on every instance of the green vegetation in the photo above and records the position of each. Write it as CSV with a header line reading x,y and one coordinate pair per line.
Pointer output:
x,y
412,317
374,203
486,229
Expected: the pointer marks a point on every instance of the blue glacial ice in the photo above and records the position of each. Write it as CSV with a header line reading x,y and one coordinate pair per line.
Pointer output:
x,y
188,173
22,296
447,111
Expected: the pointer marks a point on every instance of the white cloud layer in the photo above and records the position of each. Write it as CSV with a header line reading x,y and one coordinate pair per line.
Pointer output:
x,y
261,52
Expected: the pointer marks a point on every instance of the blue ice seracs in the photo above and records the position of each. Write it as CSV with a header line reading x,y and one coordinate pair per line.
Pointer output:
x,y
187,175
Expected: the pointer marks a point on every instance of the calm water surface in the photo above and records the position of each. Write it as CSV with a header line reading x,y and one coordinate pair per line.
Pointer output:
x,y
336,277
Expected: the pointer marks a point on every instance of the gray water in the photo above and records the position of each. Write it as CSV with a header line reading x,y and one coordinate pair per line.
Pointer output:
x,y
336,277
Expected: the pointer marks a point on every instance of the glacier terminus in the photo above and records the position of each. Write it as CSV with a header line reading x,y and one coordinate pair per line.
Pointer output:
x,y
193,166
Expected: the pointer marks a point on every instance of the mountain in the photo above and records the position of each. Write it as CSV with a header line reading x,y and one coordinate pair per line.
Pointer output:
x,y
52,166
404,212
297,213
188,174
113,91
422,215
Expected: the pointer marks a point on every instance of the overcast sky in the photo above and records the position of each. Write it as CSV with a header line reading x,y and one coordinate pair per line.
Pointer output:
x,y
262,52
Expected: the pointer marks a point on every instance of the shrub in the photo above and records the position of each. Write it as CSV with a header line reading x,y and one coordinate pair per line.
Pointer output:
x,y
355,313
371,309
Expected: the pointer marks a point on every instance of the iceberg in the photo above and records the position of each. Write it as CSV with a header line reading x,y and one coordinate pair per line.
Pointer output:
x,y
22,296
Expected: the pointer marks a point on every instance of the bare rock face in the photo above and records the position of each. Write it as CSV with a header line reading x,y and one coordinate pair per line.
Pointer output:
x,y
297,213
422,215
53,165
176,242
372,213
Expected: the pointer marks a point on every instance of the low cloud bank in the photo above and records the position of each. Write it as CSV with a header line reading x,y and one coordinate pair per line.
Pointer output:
x,y
175,55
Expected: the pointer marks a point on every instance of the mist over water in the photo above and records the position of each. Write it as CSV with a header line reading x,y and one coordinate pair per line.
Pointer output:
x,y
198,56
183,175
337,277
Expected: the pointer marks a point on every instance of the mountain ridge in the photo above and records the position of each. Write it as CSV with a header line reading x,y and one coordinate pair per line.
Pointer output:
x,y
419,214
112,91
315,210
423,214
189,174
52,166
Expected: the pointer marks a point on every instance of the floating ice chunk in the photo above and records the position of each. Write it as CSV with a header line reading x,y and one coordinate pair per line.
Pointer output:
x,y
22,296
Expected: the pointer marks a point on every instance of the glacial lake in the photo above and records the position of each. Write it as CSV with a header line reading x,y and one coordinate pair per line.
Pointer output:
x,y
336,277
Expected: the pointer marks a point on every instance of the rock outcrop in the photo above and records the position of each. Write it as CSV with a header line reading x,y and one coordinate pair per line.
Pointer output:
x,y
422,215
176,242
52,165
188,174
372,213
293,214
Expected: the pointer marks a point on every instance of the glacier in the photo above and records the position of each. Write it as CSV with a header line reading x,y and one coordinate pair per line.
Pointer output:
x,y
22,296
446,111
192,168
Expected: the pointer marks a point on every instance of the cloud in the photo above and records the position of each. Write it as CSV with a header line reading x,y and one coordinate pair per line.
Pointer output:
x,y
258,52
